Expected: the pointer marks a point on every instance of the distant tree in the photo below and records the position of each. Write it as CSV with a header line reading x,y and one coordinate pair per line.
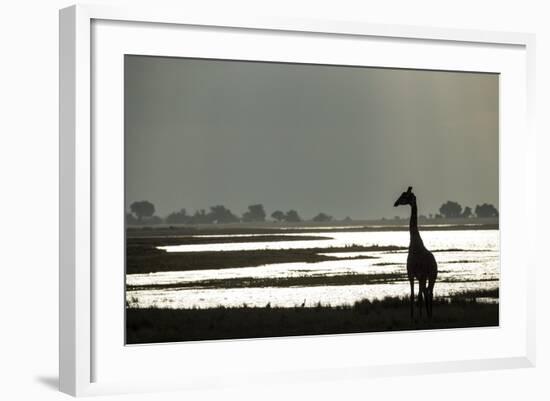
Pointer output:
x,y
200,217
254,213
292,216
450,209
278,215
221,215
322,218
347,219
486,210
130,219
438,216
142,209
467,213
180,217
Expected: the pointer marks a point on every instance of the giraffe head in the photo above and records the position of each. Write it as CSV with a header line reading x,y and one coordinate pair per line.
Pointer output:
x,y
406,198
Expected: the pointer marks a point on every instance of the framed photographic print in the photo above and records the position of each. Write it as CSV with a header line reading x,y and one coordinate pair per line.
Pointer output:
x,y
248,190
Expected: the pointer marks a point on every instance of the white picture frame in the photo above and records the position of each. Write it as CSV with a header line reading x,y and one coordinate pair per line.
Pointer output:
x,y
84,355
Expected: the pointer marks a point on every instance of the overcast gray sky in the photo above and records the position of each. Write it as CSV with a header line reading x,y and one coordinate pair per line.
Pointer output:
x,y
341,140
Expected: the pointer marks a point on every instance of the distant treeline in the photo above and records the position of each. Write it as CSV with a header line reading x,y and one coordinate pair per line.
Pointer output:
x,y
454,210
143,212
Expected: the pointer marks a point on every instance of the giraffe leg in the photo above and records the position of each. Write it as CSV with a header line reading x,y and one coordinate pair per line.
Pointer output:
x,y
431,296
411,280
421,292
427,301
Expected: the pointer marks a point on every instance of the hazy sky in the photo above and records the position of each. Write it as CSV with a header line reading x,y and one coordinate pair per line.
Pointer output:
x,y
341,140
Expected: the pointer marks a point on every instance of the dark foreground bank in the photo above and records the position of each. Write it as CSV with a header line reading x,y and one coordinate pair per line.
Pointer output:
x,y
390,314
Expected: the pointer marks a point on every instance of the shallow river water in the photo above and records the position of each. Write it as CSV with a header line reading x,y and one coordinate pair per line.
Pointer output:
x,y
467,260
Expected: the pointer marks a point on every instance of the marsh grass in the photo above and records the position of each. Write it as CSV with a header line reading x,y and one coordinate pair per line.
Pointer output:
x,y
299,281
293,281
390,314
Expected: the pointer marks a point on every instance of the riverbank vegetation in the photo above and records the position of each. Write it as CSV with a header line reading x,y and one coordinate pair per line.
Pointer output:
x,y
468,309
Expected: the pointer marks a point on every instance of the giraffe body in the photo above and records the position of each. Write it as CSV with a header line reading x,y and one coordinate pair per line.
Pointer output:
x,y
421,263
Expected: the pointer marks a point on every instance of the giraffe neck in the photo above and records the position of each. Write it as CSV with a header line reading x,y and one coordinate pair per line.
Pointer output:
x,y
416,240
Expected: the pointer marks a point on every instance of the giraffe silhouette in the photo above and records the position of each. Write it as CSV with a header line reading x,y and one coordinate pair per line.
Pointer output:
x,y
421,263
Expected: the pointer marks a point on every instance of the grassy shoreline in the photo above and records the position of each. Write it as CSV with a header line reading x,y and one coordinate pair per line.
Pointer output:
x,y
297,281
306,227
143,258
180,239
390,314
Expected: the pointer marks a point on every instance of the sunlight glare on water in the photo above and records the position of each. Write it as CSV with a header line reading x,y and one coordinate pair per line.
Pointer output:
x,y
467,260
447,239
